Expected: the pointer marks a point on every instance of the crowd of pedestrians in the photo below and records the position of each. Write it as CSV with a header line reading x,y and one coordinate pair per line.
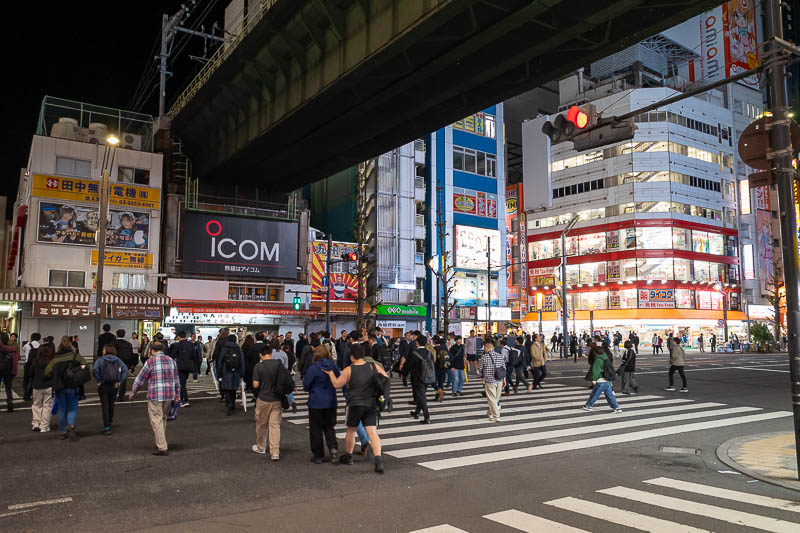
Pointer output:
x,y
266,366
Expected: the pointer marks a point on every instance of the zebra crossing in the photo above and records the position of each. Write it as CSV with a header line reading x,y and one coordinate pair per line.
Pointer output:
x,y
544,422
692,507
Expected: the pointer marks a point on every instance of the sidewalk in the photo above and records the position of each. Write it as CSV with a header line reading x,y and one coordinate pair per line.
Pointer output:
x,y
769,457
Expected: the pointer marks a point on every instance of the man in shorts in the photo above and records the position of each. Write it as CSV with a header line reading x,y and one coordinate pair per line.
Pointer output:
x,y
471,348
362,407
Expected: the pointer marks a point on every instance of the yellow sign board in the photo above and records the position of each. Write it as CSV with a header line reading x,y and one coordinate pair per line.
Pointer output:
x,y
83,190
119,259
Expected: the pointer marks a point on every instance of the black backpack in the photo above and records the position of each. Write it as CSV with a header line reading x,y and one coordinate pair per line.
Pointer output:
x,y
111,371
6,361
427,372
232,359
609,373
443,358
514,358
383,389
75,373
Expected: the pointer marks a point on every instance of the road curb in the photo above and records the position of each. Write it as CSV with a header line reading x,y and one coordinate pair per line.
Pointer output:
x,y
722,455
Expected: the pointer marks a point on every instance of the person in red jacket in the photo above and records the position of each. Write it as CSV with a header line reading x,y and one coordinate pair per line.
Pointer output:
x,y
9,358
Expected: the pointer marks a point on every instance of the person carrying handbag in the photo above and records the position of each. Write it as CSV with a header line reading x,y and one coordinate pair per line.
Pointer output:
x,y
628,370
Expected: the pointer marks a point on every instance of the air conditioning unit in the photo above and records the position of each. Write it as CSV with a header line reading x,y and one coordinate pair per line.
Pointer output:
x,y
66,128
131,141
97,133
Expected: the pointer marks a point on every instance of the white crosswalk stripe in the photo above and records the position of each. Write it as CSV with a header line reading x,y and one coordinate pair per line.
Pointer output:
x,y
460,434
602,511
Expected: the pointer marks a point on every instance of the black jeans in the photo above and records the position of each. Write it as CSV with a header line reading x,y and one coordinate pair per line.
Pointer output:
x,y
420,401
672,370
321,422
123,386
183,375
539,373
108,395
7,379
230,399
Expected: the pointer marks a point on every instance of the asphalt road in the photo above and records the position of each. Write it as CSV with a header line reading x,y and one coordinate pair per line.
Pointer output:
x,y
540,469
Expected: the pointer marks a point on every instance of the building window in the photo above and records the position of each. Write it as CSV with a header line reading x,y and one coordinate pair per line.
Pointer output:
x,y
67,278
137,176
69,166
133,282
474,162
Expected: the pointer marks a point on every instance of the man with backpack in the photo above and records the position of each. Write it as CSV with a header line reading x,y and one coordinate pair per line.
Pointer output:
x,y
419,366
124,351
230,370
442,365
183,353
110,372
515,366
602,374
492,371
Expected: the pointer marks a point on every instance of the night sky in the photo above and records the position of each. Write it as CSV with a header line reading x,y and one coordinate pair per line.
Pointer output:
x,y
93,52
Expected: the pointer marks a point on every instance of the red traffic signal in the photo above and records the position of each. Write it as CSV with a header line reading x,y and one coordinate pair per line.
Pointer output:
x,y
578,117
350,256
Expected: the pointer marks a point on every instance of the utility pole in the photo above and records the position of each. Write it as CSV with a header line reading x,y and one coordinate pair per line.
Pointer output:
x,y
489,285
328,287
781,142
108,163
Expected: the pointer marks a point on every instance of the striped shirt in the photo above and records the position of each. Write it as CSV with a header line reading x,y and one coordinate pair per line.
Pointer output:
x,y
489,362
161,373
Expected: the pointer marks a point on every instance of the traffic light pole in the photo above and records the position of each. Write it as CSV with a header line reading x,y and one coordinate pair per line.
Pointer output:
x,y
328,286
781,142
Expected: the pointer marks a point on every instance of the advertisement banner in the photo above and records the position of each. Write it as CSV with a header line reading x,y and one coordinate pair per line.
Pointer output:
x,y
124,259
85,190
137,312
61,310
539,277
764,249
481,204
656,298
471,243
464,203
77,224
513,240
741,40
761,197
239,246
343,282
416,311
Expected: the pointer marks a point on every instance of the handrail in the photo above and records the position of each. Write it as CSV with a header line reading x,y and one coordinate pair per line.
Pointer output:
x,y
218,57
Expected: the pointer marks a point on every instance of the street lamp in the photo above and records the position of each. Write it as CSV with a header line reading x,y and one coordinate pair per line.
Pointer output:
x,y
108,163
564,325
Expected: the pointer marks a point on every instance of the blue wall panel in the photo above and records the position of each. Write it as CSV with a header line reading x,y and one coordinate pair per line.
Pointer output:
x,y
473,181
476,142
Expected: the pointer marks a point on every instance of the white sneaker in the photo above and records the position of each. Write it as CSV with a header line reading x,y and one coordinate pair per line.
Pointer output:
x,y
617,410
684,389
256,449
274,457
586,408
669,388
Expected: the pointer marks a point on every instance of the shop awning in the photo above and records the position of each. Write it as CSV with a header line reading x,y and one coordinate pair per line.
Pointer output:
x,y
81,296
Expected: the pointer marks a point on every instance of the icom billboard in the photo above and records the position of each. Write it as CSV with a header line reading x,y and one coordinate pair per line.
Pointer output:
x,y
238,246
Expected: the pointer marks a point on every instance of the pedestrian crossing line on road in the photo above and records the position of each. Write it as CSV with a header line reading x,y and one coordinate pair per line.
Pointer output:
x,y
622,517
558,433
560,447
726,494
479,415
444,528
575,417
530,523
401,411
702,509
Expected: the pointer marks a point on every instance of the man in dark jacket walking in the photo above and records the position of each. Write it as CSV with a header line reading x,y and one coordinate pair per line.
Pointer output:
x,y
104,338
412,366
184,354
124,351
230,370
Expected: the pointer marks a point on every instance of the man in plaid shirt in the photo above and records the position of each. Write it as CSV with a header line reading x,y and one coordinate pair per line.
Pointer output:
x,y
163,387
490,361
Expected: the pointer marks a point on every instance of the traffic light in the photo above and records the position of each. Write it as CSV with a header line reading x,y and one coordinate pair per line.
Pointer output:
x,y
565,126
350,256
296,303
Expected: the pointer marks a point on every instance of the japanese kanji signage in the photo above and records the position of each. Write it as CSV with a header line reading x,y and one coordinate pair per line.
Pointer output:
x,y
119,259
143,312
61,310
84,190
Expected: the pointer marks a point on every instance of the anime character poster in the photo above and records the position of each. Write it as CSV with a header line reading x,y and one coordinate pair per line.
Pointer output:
x,y
77,224
343,281
764,248
741,40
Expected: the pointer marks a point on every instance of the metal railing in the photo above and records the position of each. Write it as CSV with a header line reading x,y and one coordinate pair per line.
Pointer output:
x,y
254,16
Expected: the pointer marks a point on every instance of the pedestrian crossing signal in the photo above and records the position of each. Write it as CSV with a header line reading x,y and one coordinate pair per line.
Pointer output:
x,y
296,303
